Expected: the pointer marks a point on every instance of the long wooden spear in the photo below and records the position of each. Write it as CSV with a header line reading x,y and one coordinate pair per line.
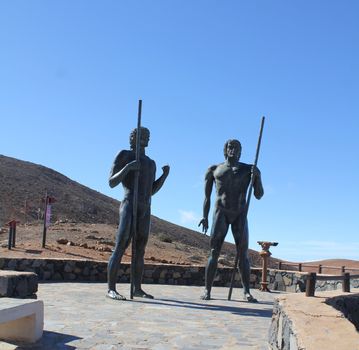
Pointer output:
x,y
135,200
249,194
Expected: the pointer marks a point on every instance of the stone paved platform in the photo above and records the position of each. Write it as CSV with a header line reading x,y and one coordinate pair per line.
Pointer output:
x,y
79,316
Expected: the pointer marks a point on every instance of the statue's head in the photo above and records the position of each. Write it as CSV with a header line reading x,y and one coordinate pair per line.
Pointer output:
x,y
232,149
145,137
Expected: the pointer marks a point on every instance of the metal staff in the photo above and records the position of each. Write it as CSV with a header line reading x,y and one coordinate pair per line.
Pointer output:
x,y
247,207
46,201
135,199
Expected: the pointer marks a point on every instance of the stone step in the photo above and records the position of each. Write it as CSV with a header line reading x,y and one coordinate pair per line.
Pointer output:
x,y
17,284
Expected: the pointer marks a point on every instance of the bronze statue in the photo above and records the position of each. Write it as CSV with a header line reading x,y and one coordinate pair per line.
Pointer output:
x,y
123,170
231,179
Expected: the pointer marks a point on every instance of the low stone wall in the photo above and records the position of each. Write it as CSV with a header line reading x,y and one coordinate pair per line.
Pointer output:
x,y
286,281
80,270
311,323
349,306
294,282
17,284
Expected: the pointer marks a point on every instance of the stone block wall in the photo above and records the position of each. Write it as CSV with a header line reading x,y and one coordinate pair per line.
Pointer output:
x,y
281,333
92,271
18,284
79,270
290,281
349,306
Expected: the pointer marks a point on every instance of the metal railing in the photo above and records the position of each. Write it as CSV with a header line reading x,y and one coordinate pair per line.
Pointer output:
x,y
319,267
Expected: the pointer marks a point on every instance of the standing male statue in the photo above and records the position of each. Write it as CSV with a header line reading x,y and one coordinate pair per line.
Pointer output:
x,y
123,170
231,179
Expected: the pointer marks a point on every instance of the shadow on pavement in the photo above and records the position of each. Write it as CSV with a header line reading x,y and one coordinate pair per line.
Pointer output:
x,y
212,307
51,340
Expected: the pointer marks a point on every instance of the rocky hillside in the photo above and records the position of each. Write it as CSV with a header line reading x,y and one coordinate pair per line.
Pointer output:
x,y
24,182
23,186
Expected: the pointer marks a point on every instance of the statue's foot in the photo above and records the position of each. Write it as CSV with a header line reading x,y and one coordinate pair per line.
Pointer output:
x,y
112,294
248,297
206,295
141,294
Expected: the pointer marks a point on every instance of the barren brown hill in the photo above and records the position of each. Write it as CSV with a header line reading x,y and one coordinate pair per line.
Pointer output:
x,y
328,266
22,181
81,212
337,262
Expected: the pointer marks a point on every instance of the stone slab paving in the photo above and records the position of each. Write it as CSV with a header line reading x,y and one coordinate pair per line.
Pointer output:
x,y
79,316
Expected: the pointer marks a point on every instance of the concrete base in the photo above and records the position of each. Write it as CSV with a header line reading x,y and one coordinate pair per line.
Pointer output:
x,y
21,320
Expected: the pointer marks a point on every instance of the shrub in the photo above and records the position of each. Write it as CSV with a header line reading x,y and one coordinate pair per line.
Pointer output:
x,y
163,237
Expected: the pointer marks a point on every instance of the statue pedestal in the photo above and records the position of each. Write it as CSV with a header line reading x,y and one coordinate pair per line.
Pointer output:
x,y
264,284
265,254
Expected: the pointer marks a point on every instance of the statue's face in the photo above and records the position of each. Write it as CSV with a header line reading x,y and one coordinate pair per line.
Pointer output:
x,y
145,137
233,150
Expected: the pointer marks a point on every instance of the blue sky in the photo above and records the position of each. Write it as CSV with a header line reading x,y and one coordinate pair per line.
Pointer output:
x,y
71,74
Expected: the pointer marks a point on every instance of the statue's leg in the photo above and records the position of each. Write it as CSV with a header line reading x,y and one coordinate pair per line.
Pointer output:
x,y
241,240
143,230
122,241
218,233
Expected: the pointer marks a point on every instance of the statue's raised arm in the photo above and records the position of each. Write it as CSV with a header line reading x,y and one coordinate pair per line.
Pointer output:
x,y
160,181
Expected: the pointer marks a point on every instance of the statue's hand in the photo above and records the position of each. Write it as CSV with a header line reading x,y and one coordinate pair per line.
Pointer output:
x,y
134,165
204,223
166,170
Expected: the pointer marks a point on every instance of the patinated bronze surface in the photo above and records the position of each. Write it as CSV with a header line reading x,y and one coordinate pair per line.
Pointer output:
x,y
122,171
231,179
